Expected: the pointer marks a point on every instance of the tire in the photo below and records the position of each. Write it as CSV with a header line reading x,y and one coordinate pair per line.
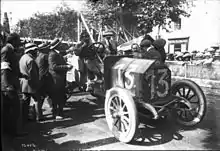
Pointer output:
x,y
199,111
122,120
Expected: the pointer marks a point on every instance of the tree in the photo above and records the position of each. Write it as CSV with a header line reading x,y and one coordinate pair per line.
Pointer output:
x,y
145,14
6,26
62,23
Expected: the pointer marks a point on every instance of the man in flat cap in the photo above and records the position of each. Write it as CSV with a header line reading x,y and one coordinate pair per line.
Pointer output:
x,y
10,85
30,80
58,69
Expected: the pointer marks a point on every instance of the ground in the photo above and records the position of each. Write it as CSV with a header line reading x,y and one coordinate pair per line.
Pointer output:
x,y
84,127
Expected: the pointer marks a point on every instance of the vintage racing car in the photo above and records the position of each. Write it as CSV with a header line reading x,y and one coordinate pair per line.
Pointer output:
x,y
134,87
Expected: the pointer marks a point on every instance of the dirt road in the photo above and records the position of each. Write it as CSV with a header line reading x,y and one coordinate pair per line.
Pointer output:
x,y
84,127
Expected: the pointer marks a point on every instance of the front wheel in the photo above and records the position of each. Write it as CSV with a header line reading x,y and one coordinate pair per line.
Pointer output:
x,y
121,114
195,96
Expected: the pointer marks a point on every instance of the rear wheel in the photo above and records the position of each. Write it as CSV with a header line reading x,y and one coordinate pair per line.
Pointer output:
x,y
121,114
194,94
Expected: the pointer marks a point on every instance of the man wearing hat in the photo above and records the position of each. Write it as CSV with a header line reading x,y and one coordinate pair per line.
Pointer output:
x,y
44,75
148,51
159,45
58,69
10,85
109,43
89,58
30,80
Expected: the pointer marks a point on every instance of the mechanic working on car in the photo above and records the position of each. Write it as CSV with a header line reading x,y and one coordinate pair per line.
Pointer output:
x,y
92,66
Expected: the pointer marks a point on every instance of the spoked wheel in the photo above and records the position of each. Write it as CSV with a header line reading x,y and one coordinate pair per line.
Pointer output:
x,y
121,114
195,96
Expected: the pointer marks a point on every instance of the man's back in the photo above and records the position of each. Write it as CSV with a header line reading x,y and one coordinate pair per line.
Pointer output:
x,y
42,63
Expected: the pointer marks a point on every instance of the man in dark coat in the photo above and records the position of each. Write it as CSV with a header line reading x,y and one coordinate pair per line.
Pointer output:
x,y
30,80
45,78
10,84
159,46
148,51
57,68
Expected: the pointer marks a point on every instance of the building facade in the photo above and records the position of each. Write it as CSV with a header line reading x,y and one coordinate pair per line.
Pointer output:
x,y
199,31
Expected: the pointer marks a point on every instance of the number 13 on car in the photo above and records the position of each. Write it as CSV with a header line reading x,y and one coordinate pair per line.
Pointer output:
x,y
159,85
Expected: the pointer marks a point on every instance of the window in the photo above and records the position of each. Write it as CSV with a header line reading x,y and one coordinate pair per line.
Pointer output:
x,y
177,47
177,24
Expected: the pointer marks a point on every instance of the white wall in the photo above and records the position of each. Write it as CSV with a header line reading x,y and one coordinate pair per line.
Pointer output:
x,y
203,26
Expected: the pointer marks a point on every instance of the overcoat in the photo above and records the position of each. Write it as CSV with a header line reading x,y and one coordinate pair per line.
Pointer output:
x,y
57,69
29,74
9,69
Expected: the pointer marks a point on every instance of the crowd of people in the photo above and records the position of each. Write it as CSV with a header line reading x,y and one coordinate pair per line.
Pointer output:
x,y
208,56
36,72
31,71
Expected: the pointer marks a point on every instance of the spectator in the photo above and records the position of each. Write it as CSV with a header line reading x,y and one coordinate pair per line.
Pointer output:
x,y
57,68
148,51
109,43
30,80
44,75
159,46
10,85
186,56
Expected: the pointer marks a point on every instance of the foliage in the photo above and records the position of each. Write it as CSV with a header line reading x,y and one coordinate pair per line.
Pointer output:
x,y
6,26
60,23
145,14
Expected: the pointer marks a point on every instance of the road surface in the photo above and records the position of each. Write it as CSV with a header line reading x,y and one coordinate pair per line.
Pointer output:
x,y
84,127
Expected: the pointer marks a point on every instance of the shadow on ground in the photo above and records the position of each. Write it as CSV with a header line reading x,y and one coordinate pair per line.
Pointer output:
x,y
151,132
156,132
84,110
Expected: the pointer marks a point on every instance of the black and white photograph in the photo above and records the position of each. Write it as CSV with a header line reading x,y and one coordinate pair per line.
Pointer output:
x,y
110,75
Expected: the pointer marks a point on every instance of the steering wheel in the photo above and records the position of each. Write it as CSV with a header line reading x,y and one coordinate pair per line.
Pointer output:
x,y
97,46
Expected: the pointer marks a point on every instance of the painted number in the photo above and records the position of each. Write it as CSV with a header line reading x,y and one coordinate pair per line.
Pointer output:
x,y
128,82
161,82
